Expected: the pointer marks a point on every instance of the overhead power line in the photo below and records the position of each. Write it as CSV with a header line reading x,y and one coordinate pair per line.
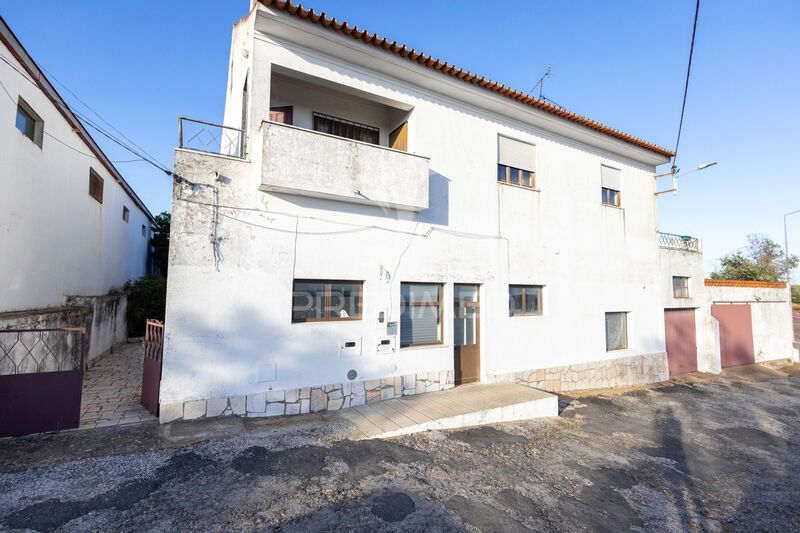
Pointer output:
x,y
686,88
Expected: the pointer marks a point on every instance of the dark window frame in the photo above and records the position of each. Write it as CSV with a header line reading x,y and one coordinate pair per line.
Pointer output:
x,y
350,126
439,305
524,291
681,290
126,214
509,173
607,197
144,231
326,302
96,185
37,134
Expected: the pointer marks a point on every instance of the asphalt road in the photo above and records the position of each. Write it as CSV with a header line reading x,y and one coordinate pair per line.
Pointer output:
x,y
715,453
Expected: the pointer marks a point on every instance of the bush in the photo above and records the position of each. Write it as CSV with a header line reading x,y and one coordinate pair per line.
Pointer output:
x,y
796,294
147,298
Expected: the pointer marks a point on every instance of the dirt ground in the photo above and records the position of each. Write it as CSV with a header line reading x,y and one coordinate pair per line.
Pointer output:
x,y
700,453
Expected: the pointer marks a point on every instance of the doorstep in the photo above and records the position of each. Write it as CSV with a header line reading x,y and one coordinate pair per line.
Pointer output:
x,y
467,405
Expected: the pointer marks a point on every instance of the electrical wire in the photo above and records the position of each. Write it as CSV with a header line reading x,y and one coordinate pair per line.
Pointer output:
x,y
686,88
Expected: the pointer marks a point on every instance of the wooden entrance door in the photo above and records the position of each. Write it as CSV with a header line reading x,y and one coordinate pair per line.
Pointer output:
x,y
681,341
466,333
735,334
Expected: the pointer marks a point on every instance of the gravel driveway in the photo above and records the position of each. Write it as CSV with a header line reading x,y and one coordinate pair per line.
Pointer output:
x,y
718,453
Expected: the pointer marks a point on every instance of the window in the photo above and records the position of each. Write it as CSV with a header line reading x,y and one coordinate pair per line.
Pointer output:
x,y
126,213
420,314
95,185
680,287
319,300
524,300
346,128
616,331
516,162
144,230
611,180
29,123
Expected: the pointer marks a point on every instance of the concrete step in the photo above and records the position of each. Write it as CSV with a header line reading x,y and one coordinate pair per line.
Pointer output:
x,y
467,405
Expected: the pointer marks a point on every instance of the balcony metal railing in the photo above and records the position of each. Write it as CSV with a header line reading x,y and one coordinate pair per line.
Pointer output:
x,y
212,138
678,242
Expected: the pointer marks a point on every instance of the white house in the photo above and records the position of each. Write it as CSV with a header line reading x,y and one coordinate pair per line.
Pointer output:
x,y
72,231
376,222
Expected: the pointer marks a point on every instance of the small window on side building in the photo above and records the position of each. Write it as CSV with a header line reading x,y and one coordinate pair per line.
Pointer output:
x,y
516,162
680,287
95,186
29,123
321,300
524,300
126,214
611,179
144,230
616,331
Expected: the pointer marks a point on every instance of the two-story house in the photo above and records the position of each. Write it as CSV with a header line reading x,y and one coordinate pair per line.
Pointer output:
x,y
72,230
376,222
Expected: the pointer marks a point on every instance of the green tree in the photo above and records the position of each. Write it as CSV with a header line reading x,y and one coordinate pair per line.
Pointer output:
x,y
147,298
763,261
160,243
796,294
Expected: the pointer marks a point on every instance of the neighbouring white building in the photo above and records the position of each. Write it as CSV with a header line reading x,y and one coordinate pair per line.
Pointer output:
x,y
72,231
376,222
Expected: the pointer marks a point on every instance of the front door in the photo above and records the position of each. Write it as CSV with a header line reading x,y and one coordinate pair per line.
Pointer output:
x,y
466,334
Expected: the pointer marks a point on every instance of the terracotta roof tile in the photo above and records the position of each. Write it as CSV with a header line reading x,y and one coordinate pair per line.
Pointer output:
x,y
331,23
741,283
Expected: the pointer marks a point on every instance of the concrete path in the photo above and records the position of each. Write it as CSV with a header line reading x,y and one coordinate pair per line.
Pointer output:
x,y
467,405
112,390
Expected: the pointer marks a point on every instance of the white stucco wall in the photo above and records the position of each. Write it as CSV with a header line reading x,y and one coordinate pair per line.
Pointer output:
x,y
55,239
229,332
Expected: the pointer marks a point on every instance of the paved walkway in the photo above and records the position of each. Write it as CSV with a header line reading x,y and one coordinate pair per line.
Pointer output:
x,y
112,390
468,405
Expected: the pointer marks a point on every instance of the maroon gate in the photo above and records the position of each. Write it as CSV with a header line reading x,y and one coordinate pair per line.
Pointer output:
x,y
735,334
681,341
41,381
151,373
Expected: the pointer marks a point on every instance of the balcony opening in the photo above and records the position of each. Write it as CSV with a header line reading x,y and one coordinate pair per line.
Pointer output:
x,y
320,105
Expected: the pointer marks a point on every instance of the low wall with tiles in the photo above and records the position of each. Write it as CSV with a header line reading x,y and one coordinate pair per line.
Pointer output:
x,y
625,371
310,399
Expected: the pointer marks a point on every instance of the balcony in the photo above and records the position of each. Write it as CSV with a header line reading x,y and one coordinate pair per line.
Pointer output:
x,y
211,138
672,241
311,163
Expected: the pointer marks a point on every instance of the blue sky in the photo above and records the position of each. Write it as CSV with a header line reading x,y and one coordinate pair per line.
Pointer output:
x,y
142,64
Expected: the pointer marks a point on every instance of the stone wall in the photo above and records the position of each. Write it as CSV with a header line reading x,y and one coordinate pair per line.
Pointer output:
x,y
310,399
625,371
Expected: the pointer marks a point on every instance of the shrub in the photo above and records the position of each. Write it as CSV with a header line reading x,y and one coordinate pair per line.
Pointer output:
x,y
147,298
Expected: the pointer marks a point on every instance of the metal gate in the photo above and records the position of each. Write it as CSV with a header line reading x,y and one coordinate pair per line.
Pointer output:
x,y
41,381
735,334
153,358
681,341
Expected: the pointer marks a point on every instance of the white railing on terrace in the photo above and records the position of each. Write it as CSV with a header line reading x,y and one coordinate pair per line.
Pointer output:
x,y
212,138
678,242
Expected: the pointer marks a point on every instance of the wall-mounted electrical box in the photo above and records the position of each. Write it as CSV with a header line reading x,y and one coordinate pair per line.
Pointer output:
x,y
380,319
350,347
391,328
386,344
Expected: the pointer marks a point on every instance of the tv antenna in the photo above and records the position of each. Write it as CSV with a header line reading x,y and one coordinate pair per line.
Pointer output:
x,y
540,83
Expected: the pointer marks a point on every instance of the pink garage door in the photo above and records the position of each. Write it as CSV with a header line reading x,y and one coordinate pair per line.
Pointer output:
x,y
735,334
681,340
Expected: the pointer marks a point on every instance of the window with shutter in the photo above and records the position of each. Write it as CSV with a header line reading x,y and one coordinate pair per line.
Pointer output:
x,y
516,162
95,186
420,314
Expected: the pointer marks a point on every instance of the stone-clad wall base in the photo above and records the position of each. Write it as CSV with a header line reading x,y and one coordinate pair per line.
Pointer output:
x,y
625,371
310,399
